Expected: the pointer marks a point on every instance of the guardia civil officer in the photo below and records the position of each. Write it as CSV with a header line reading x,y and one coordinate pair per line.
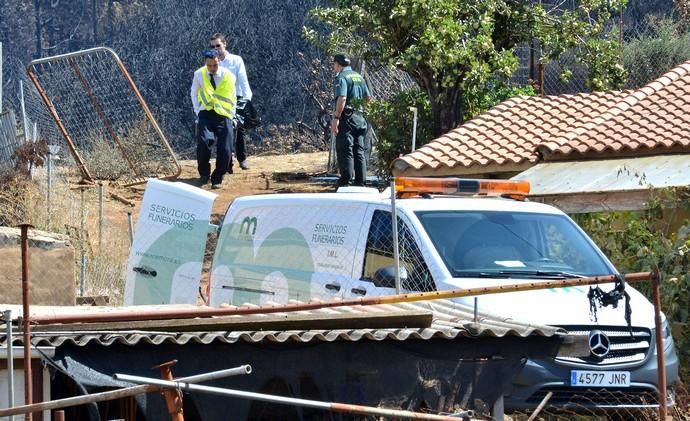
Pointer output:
x,y
348,124
213,98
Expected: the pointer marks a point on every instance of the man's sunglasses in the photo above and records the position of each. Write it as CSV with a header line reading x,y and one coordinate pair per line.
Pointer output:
x,y
216,45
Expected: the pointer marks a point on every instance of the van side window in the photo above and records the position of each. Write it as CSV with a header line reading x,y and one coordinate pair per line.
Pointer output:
x,y
379,254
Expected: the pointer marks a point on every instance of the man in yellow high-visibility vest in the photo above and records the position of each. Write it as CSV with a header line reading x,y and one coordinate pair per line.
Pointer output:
x,y
213,98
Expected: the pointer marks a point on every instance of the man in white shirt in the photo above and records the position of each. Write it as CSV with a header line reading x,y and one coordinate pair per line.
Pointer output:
x,y
213,100
235,64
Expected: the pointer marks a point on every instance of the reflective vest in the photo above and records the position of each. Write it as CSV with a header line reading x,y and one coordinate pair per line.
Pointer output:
x,y
222,99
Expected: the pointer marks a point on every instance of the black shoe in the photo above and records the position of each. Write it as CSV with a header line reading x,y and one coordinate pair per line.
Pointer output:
x,y
230,171
203,180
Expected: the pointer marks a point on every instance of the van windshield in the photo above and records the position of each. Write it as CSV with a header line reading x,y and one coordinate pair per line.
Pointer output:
x,y
512,244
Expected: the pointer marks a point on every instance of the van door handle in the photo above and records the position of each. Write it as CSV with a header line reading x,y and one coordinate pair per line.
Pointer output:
x,y
358,291
332,287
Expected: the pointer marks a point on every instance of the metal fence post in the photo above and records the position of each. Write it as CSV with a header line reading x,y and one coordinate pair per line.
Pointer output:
x,y
25,126
661,364
131,228
414,128
50,185
82,266
10,360
100,216
26,322
396,249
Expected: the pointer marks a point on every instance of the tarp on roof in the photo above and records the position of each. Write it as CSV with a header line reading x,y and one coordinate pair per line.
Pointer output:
x,y
605,185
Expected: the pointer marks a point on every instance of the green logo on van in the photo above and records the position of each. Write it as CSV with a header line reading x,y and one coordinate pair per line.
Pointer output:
x,y
284,251
248,224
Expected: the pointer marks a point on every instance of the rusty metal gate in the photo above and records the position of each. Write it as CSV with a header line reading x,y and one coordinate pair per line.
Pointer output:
x,y
102,117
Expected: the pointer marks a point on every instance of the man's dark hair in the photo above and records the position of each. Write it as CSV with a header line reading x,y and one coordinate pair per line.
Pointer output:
x,y
219,36
342,59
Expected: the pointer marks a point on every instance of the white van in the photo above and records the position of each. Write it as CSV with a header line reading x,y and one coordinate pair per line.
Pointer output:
x,y
282,247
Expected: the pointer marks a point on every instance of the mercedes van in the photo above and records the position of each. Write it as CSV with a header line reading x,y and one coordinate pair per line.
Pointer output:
x,y
282,247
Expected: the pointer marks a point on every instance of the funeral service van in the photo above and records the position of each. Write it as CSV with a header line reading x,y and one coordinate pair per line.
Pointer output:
x,y
451,234
282,247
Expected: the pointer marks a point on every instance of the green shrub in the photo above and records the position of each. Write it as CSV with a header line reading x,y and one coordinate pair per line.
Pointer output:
x,y
393,122
651,54
658,237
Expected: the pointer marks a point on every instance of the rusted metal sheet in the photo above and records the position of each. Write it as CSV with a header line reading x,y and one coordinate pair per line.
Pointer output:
x,y
603,185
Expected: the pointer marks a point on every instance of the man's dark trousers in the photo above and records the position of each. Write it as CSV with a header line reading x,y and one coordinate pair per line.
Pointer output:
x,y
240,146
351,149
213,128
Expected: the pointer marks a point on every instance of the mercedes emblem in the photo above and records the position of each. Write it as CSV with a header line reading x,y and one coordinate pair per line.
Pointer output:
x,y
599,343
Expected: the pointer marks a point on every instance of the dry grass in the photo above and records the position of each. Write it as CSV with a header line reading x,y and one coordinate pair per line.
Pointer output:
x,y
24,201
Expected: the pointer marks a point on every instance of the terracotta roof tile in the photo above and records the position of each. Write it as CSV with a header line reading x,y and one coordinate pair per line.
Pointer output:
x,y
656,116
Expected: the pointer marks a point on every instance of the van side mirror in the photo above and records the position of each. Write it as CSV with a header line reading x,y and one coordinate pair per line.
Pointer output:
x,y
385,277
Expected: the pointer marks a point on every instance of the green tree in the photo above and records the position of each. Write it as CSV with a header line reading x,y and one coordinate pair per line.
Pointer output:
x,y
453,48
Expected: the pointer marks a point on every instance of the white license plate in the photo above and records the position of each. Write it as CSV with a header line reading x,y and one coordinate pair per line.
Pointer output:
x,y
582,378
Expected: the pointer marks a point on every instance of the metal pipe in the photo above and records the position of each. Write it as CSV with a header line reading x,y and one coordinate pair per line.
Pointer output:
x,y
414,128
100,216
120,393
540,70
86,175
50,185
396,246
173,397
59,416
21,103
498,410
128,315
131,228
476,299
26,318
308,403
7,315
541,406
661,365
332,159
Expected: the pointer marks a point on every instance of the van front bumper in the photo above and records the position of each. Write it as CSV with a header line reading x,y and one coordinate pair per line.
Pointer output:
x,y
538,377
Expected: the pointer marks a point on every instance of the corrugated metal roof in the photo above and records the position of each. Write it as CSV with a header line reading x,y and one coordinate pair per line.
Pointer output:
x,y
450,320
626,174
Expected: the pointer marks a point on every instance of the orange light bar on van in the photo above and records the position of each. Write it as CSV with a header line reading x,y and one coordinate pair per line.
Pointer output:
x,y
407,186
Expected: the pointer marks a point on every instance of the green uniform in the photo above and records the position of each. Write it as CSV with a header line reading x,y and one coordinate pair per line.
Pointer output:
x,y
352,127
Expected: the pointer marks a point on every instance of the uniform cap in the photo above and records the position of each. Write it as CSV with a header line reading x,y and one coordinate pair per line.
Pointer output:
x,y
342,59
211,53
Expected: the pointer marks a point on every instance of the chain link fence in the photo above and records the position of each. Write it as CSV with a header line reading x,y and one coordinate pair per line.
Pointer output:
x,y
649,49
85,219
602,404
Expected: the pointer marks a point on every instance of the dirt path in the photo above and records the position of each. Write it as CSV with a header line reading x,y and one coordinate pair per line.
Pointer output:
x,y
267,174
